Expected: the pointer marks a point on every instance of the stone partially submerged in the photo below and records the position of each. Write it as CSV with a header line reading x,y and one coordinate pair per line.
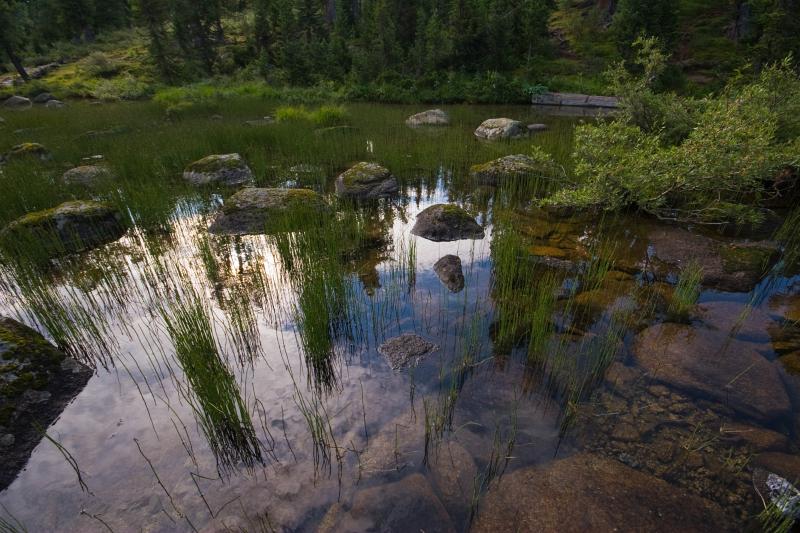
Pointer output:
x,y
86,175
26,151
256,211
17,102
431,117
406,351
715,366
510,167
366,181
71,227
446,222
449,270
223,169
501,128
36,382
588,492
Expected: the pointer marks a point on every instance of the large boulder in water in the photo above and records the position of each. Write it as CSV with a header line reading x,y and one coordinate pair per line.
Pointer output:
x,y
588,492
55,104
17,102
431,117
255,211
71,227
406,505
506,168
366,181
449,270
43,98
713,365
446,222
501,128
86,175
224,169
25,151
36,383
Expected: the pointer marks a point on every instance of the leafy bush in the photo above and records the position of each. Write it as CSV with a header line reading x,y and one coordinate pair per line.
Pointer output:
x,y
99,65
323,116
718,174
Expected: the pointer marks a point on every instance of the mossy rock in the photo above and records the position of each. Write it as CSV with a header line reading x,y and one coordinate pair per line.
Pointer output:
x,y
748,257
791,362
27,151
506,168
431,117
366,181
86,175
257,211
501,128
71,227
36,381
446,222
17,102
225,169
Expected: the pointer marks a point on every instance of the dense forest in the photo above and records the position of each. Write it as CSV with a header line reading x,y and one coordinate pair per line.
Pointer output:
x,y
359,42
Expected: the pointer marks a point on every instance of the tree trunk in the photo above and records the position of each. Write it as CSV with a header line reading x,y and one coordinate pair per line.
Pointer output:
x,y
17,62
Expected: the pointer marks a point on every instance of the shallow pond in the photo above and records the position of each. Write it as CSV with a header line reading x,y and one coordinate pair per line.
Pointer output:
x,y
593,372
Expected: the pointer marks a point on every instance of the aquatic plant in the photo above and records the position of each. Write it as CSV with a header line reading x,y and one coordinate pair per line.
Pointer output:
x,y
686,291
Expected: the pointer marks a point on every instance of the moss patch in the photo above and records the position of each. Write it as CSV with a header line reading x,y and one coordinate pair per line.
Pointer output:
x,y
746,258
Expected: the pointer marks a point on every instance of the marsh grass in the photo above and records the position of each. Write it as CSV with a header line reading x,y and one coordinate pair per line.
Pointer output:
x,y
686,292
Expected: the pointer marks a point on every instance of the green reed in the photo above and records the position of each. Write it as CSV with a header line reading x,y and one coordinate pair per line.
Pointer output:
x,y
686,291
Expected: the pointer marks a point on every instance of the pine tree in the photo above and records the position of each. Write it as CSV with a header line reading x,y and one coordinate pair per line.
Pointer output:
x,y
653,18
14,23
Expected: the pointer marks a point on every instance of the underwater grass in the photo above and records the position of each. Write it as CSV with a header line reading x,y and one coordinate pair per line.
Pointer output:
x,y
686,292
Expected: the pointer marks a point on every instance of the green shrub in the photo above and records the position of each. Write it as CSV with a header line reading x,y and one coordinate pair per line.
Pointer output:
x,y
99,65
322,116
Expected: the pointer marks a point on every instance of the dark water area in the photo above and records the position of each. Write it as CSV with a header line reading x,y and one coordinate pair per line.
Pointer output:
x,y
238,382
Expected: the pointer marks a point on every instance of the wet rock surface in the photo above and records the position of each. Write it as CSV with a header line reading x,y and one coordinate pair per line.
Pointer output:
x,y
406,351
55,104
71,227
36,382
256,210
450,272
431,117
501,128
587,492
223,169
453,471
43,98
714,366
86,175
406,505
504,169
446,222
366,181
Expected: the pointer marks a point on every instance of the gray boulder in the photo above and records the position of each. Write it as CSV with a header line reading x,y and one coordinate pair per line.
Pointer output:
x,y
711,364
504,169
86,175
501,128
224,169
366,181
17,102
446,222
406,351
448,268
537,128
55,104
258,211
431,117
43,98
38,381
26,151
71,227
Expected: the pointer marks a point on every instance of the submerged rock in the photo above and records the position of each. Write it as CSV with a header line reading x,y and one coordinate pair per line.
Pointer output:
x,y
397,447
406,351
536,128
27,150
406,505
55,104
255,210
505,169
86,175
71,227
17,102
453,471
366,181
36,382
431,117
449,270
446,222
713,365
225,169
587,492
43,98
501,128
